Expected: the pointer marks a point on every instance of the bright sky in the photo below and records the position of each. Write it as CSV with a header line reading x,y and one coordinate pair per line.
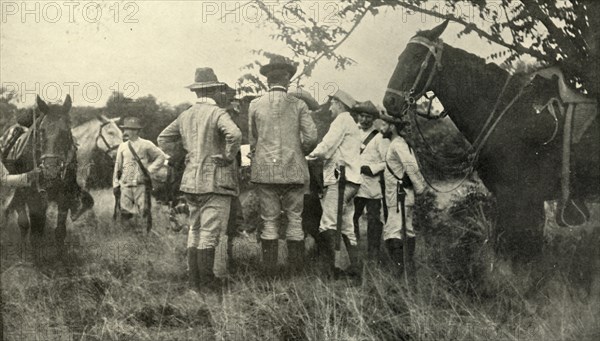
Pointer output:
x,y
154,47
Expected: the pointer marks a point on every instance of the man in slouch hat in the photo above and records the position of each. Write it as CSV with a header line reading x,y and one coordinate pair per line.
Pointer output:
x,y
136,159
210,179
372,160
281,133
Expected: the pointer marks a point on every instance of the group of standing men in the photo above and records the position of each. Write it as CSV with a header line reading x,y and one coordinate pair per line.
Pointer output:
x,y
362,167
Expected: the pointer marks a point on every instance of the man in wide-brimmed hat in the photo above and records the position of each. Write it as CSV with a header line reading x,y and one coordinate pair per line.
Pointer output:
x,y
210,179
136,159
340,147
372,163
402,175
281,133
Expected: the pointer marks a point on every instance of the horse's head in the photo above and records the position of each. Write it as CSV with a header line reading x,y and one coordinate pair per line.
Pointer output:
x,y
415,71
54,139
109,136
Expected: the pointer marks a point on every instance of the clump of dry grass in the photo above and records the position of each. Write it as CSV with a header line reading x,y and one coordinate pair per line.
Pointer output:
x,y
119,286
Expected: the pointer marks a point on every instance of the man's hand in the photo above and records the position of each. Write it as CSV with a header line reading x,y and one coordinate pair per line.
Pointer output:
x,y
311,157
33,175
366,170
350,192
117,191
221,160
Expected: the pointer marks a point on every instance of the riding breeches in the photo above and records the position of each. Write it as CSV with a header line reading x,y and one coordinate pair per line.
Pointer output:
x,y
133,200
208,218
393,225
329,202
275,198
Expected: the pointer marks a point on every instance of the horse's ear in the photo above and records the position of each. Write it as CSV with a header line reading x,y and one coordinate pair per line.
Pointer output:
x,y
67,104
42,106
435,32
102,118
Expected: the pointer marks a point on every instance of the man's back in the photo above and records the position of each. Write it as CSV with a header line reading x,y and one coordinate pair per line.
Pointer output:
x,y
281,133
205,130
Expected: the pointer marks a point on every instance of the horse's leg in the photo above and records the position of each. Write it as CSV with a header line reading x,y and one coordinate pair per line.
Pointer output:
x,y
61,225
520,227
22,220
37,219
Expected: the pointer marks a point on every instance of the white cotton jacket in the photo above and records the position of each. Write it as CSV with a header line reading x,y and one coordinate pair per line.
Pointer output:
x,y
128,168
340,146
401,160
373,156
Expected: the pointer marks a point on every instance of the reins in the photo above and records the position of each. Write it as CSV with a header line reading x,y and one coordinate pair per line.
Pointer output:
x,y
101,137
472,154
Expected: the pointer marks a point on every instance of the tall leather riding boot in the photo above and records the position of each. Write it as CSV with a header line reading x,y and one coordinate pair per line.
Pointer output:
x,y
395,249
193,274
295,255
270,253
374,232
411,268
328,251
355,268
206,261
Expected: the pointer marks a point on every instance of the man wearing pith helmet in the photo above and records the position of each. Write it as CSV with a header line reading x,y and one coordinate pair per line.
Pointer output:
x,y
340,147
210,180
372,164
130,178
281,133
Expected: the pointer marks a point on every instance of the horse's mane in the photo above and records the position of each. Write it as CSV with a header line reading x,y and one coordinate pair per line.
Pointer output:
x,y
86,131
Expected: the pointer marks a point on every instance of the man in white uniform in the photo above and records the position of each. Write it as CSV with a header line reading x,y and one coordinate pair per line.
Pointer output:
x,y
340,147
402,175
130,179
372,160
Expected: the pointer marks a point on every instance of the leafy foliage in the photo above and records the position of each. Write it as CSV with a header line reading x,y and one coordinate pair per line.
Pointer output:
x,y
563,33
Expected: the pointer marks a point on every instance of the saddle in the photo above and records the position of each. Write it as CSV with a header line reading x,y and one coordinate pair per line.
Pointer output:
x,y
584,109
581,111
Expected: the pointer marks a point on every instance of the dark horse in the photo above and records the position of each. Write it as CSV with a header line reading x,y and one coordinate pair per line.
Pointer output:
x,y
51,147
520,160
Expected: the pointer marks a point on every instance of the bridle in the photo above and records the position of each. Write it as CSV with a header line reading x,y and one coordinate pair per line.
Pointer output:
x,y
101,137
411,97
62,161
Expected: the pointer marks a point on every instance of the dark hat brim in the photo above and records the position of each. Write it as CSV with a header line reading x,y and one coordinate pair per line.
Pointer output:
x,y
206,85
306,97
365,111
391,119
130,127
266,69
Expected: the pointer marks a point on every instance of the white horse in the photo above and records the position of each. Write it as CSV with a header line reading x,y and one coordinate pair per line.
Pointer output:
x,y
98,134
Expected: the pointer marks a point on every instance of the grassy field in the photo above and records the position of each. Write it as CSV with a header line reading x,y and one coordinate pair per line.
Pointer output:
x,y
115,285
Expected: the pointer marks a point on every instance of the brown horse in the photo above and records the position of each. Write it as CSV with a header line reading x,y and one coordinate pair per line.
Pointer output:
x,y
516,152
49,146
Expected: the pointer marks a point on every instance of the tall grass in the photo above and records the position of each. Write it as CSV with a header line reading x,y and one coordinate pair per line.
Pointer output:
x,y
119,286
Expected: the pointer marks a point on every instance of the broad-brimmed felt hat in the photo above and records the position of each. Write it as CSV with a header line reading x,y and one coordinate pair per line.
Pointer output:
x,y
205,78
131,123
390,119
366,107
278,62
345,98
305,96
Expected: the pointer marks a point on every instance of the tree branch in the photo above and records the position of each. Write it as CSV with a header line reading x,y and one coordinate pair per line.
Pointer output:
x,y
556,33
334,47
472,27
